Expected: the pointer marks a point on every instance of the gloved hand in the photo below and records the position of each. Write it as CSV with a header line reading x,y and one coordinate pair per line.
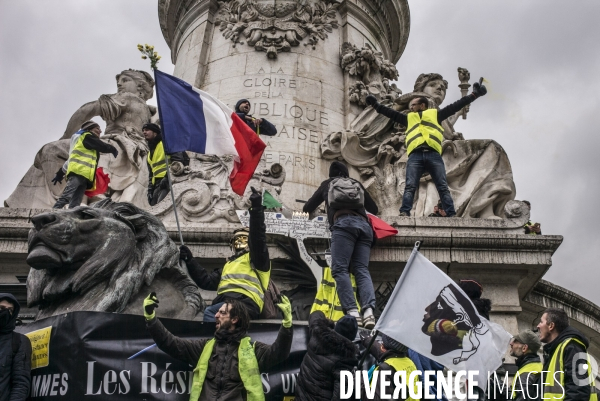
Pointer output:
x,y
150,303
371,101
255,198
479,89
185,254
115,153
60,174
286,309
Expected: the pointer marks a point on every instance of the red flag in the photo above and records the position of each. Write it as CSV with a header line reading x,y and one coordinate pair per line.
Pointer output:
x,y
250,149
380,227
100,185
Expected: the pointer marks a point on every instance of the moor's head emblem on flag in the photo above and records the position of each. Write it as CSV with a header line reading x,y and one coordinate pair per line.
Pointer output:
x,y
452,323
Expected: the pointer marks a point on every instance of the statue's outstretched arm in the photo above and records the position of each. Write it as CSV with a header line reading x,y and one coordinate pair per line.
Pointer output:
x,y
84,113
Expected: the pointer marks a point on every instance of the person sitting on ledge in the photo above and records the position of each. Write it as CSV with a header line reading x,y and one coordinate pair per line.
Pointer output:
x,y
258,125
438,210
158,183
530,227
424,144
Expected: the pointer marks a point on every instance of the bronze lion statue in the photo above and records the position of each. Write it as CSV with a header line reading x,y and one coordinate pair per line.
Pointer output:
x,y
106,258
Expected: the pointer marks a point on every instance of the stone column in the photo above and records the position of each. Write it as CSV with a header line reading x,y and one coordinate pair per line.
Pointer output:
x,y
284,56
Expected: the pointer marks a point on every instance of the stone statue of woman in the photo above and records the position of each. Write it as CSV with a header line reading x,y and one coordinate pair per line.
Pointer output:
x,y
125,112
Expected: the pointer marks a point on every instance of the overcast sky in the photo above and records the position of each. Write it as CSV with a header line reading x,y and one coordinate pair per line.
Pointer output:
x,y
541,57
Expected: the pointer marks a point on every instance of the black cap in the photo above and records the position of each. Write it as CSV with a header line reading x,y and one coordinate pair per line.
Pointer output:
x,y
239,103
347,327
152,127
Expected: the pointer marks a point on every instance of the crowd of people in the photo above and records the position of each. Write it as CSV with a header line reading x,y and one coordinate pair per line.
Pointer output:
x,y
228,366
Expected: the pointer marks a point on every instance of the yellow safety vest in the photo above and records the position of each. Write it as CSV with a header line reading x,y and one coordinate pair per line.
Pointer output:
x,y
556,391
535,367
239,276
529,225
247,366
158,163
422,129
327,299
83,161
408,366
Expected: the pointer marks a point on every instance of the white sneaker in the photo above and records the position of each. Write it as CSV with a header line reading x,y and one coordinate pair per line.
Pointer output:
x,y
368,319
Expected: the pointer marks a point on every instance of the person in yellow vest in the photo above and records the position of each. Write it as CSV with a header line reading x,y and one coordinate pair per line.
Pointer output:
x,y
228,366
247,272
424,136
158,183
84,152
530,227
392,356
259,125
565,351
524,347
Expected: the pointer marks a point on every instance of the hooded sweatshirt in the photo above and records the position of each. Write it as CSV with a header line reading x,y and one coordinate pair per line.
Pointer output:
x,y
266,128
572,391
337,169
15,369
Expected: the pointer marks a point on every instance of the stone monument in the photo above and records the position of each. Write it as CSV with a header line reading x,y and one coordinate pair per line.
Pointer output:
x,y
307,66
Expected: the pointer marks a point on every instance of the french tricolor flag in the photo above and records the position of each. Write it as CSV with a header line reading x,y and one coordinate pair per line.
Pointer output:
x,y
194,120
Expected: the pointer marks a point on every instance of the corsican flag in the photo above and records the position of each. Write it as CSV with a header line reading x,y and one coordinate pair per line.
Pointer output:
x,y
194,120
431,315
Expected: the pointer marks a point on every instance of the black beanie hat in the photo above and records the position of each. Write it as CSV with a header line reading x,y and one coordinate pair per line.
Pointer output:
x,y
347,327
239,102
152,127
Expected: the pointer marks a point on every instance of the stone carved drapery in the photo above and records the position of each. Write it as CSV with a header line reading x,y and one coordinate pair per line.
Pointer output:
x,y
478,171
372,72
275,26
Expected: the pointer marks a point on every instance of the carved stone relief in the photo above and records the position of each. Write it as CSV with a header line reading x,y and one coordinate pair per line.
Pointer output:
x,y
372,71
275,26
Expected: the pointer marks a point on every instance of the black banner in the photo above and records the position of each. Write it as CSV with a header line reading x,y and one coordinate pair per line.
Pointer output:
x,y
87,358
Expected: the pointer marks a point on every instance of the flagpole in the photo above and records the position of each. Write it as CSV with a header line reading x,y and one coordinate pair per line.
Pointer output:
x,y
376,332
173,198
368,350
167,160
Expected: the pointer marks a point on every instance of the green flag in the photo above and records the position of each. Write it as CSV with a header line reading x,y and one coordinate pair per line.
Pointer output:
x,y
269,201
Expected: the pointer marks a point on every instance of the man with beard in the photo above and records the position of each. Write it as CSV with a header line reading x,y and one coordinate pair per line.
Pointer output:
x,y
227,366
565,351
15,353
524,348
258,125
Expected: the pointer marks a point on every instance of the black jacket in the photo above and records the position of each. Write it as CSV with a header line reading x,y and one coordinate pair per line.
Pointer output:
x,y
15,369
266,128
259,257
223,381
527,388
443,113
328,354
573,392
336,169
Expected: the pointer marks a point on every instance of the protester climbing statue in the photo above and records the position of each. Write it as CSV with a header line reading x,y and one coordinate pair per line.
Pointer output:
x,y
478,170
124,112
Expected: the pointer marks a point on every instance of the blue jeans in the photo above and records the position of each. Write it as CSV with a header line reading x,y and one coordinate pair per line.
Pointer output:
x,y
211,311
351,239
431,162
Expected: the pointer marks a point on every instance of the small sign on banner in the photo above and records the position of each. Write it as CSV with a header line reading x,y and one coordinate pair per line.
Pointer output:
x,y
40,347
